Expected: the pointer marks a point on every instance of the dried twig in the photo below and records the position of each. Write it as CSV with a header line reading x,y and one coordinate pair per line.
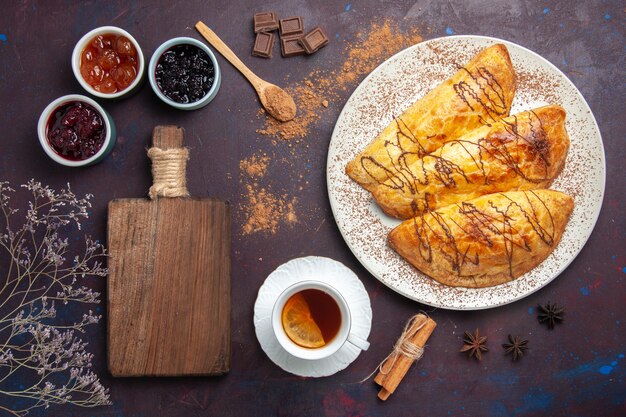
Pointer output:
x,y
44,354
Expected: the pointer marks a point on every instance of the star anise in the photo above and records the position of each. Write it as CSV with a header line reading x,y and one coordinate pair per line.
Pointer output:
x,y
550,313
516,347
475,344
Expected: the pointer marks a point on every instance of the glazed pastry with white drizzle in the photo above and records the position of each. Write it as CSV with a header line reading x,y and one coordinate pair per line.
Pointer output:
x,y
480,93
486,241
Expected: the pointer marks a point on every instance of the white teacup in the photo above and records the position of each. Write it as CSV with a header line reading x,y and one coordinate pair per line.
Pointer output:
x,y
342,337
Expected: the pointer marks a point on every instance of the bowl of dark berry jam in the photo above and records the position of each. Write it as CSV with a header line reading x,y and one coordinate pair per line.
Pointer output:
x,y
183,72
76,131
108,62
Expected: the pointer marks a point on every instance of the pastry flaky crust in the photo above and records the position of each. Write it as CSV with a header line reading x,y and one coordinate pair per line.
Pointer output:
x,y
481,92
486,241
523,152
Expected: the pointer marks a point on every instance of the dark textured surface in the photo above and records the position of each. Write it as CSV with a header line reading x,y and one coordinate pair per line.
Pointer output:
x,y
576,370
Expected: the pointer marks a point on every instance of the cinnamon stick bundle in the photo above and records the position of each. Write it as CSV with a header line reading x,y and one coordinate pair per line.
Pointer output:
x,y
407,350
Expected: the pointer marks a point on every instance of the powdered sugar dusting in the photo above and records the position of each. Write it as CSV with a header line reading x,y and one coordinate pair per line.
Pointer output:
x,y
393,87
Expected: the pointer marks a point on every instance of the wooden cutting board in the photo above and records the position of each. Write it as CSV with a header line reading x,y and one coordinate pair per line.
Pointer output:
x,y
169,282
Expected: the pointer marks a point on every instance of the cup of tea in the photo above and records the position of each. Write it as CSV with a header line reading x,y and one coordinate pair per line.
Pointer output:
x,y
312,320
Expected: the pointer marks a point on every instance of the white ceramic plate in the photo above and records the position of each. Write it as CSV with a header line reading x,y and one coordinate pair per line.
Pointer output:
x,y
304,269
394,86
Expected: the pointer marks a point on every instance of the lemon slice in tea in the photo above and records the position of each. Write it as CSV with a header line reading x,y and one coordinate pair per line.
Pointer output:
x,y
299,324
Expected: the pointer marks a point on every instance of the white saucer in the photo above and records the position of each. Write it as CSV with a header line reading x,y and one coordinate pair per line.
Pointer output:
x,y
321,269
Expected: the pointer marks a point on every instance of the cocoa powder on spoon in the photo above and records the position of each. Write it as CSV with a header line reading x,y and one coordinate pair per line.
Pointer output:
x,y
279,104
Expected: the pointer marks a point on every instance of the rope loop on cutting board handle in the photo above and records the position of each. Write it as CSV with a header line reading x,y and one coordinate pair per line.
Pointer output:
x,y
169,163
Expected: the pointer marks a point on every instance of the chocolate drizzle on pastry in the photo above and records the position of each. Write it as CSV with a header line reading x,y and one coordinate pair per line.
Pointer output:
x,y
485,228
495,107
478,94
496,146
504,227
482,91
517,152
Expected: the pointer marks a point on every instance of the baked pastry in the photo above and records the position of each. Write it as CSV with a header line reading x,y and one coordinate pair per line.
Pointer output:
x,y
522,152
480,93
486,241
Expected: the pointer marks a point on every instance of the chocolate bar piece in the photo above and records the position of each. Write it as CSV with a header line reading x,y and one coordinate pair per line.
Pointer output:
x,y
263,45
290,46
265,22
292,26
314,40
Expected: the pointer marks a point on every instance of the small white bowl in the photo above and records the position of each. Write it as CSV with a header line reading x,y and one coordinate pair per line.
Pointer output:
x,y
78,51
42,127
210,95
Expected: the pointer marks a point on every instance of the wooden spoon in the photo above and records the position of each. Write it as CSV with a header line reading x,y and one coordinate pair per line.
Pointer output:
x,y
274,99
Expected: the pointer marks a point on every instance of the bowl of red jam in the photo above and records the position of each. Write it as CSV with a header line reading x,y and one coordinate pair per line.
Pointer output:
x,y
184,73
76,131
108,62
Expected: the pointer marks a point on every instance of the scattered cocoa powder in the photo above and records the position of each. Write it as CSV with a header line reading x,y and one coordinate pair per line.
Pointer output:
x,y
265,211
539,86
261,209
255,166
315,93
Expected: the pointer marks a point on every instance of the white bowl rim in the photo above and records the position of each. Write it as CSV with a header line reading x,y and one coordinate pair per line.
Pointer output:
x,y
335,344
43,137
78,50
152,68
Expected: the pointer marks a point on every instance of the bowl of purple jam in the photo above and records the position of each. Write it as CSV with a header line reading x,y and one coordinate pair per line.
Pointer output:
x,y
76,131
183,73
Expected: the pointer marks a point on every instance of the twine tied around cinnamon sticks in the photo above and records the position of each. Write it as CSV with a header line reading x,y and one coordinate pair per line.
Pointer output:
x,y
169,168
404,345
408,349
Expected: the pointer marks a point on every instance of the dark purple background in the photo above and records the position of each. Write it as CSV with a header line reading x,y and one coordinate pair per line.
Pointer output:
x,y
575,370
